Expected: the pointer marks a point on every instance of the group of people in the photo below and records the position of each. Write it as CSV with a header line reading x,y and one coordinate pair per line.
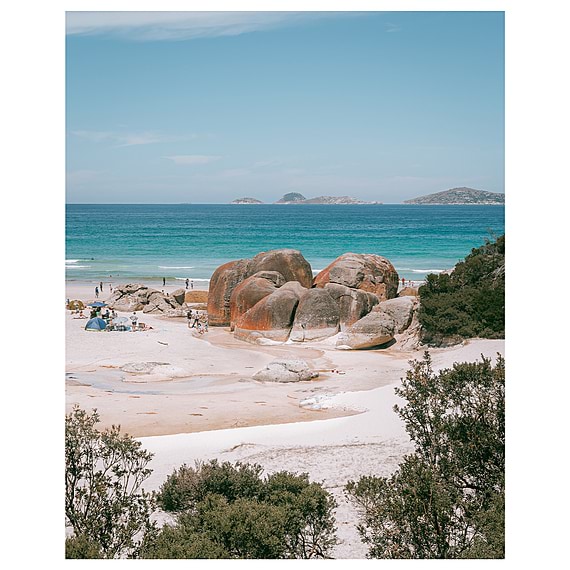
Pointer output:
x,y
109,316
99,289
197,320
106,315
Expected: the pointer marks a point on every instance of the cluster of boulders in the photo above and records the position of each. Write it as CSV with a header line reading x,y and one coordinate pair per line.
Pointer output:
x,y
273,296
136,297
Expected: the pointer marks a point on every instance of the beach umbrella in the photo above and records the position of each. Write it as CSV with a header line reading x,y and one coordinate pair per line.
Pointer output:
x,y
98,304
95,324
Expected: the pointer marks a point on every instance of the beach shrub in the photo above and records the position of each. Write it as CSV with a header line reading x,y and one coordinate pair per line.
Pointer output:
x,y
446,499
469,302
232,511
104,502
81,547
186,487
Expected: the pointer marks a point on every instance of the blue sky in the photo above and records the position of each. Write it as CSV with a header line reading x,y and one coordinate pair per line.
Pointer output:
x,y
207,107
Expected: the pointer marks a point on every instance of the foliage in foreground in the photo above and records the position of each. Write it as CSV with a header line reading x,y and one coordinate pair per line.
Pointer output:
x,y
446,500
469,302
231,511
104,501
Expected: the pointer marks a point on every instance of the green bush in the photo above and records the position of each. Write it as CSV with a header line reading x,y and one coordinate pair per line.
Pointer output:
x,y
82,547
470,302
186,487
104,500
231,511
446,500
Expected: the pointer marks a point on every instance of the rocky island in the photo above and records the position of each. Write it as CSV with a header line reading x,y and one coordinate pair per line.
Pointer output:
x,y
246,200
296,198
459,196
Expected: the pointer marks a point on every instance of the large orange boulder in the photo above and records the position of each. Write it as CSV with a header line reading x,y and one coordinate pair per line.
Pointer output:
x,y
353,304
222,283
251,291
317,316
271,318
364,271
290,263
196,296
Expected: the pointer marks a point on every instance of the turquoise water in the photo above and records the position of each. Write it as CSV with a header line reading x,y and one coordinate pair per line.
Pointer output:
x,y
147,242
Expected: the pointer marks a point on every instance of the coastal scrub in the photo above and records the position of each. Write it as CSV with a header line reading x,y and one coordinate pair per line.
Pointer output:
x,y
446,499
467,303
104,500
231,511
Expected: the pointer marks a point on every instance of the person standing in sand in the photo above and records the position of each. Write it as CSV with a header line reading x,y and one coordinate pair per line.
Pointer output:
x,y
187,283
191,284
96,292
164,281
134,320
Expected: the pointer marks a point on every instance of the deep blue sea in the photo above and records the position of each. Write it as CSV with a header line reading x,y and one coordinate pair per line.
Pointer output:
x,y
145,242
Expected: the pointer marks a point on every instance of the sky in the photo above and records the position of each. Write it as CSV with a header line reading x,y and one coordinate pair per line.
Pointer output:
x,y
170,107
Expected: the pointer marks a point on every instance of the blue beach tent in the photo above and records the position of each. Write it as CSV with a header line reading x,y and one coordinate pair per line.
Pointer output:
x,y
95,324
97,304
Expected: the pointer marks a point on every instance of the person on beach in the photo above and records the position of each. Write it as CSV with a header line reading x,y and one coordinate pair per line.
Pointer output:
x,y
110,288
196,320
191,284
187,283
97,292
164,281
189,317
403,282
134,320
101,286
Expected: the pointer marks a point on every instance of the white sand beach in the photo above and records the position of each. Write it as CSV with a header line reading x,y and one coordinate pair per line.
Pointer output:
x,y
191,397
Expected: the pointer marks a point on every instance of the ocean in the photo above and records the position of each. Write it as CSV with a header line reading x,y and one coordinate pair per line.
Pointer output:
x,y
148,242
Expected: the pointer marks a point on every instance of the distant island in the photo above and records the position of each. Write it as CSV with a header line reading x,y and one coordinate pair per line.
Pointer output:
x,y
296,198
459,196
246,200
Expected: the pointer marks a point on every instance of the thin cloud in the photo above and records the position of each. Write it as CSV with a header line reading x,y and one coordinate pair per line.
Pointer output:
x,y
192,158
128,139
120,139
156,26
